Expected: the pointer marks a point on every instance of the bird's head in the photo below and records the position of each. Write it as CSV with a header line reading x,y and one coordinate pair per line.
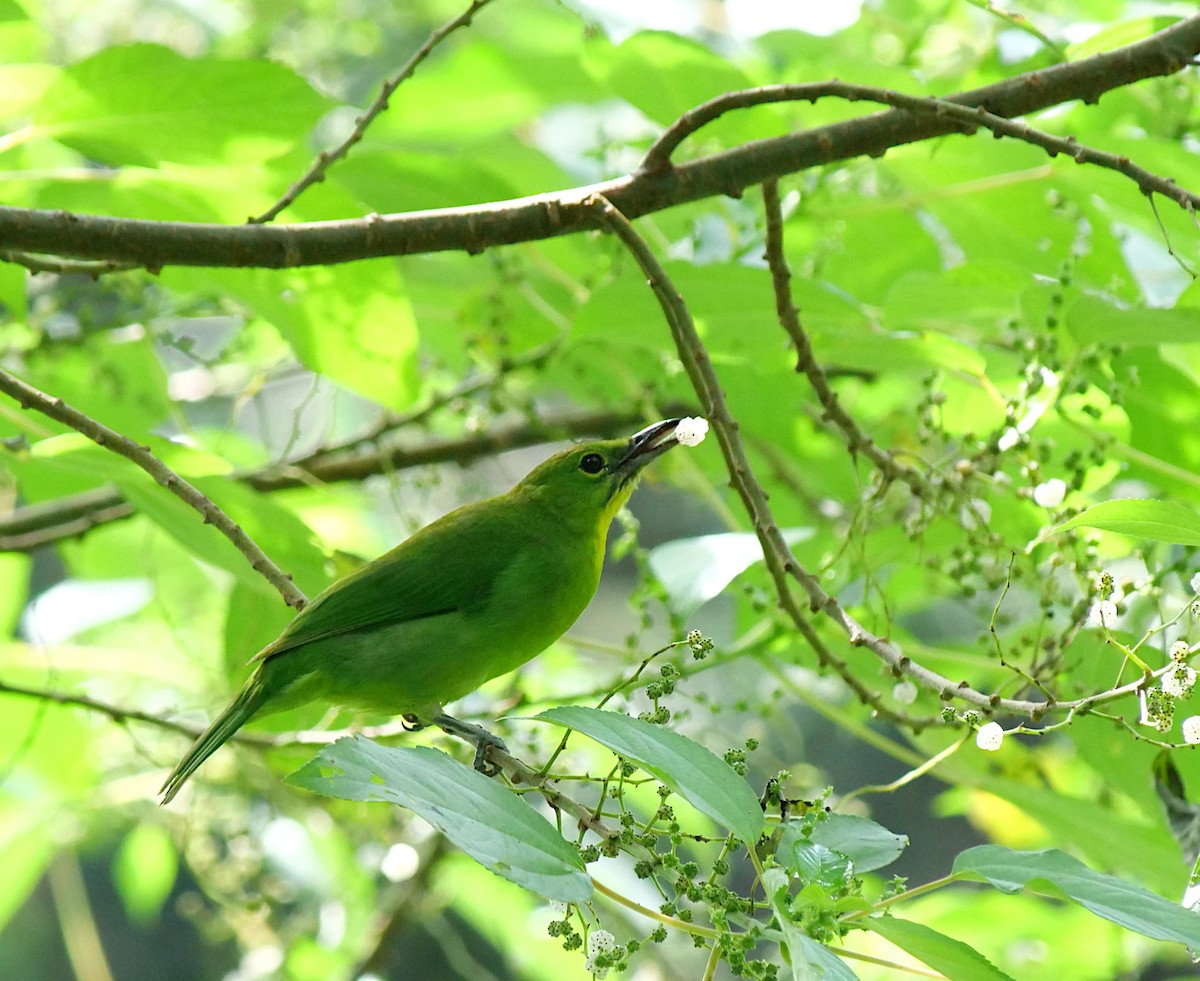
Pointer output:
x,y
597,477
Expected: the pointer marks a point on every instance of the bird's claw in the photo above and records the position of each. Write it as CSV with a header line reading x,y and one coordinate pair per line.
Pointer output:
x,y
484,741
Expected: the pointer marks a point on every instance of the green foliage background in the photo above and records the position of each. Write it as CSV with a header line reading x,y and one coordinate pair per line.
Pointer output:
x,y
993,318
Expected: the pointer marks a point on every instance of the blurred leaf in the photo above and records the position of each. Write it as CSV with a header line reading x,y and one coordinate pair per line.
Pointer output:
x,y
1122,902
271,526
352,323
665,75
492,825
14,589
385,182
1118,35
116,378
1092,321
1159,521
705,781
144,870
952,958
27,843
694,570
145,104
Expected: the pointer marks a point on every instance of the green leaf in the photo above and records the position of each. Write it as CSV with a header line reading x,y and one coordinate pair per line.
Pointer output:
x,y
14,590
665,75
694,570
27,843
1122,902
146,105
144,871
1093,321
953,958
353,322
815,863
870,350
868,845
812,961
492,825
274,528
808,959
705,781
1159,521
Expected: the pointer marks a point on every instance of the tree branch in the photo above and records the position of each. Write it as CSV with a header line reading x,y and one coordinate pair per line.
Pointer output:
x,y
856,440
153,244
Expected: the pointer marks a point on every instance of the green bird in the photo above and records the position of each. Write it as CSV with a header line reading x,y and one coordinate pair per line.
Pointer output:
x,y
466,599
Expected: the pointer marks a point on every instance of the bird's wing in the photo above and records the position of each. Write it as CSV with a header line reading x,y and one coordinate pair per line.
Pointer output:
x,y
447,567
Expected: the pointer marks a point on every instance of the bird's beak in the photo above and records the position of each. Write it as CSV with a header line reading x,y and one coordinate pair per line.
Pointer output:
x,y
643,447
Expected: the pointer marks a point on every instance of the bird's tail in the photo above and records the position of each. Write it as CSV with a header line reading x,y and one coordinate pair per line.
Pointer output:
x,y
249,700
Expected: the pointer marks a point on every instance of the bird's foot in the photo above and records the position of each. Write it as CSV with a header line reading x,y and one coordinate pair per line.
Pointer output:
x,y
484,741
412,723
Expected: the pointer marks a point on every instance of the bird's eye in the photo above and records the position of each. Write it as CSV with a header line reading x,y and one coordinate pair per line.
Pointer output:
x,y
592,463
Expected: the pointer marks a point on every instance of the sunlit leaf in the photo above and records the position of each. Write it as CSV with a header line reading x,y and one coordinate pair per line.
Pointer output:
x,y
953,958
705,781
144,870
146,104
491,824
1118,900
1159,521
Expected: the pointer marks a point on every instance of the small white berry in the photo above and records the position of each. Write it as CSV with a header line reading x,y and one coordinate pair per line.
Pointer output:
x,y
905,692
691,431
1195,583
599,940
989,737
1050,494
1180,651
1179,680
1103,614
1191,729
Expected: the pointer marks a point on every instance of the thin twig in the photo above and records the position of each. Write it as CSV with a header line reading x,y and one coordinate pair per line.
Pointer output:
x,y
857,441
29,397
969,117
95,268
326,158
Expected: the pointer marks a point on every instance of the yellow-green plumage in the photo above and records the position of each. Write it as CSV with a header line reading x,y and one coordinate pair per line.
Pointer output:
x,y
466,599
